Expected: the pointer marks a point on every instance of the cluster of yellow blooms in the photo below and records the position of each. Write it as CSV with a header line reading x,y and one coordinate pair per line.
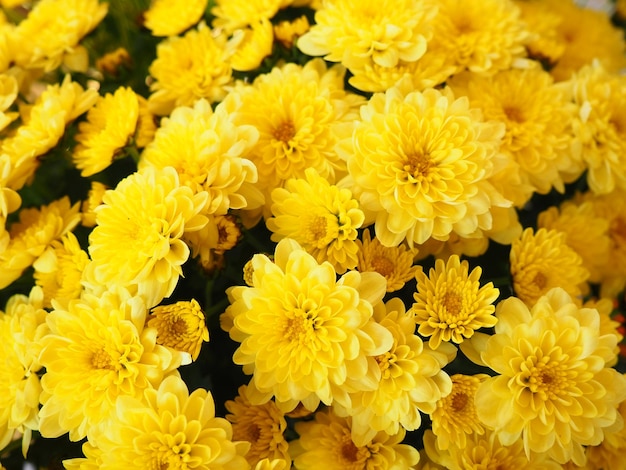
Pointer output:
x,y
407,219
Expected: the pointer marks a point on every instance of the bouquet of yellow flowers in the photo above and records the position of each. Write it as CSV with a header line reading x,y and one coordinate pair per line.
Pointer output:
x,y
303,234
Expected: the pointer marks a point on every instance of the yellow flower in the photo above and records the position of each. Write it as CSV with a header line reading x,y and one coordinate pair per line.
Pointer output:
x,y
188,68
10,200
586,233
52,29
236,14
299,111
254,43
419,164
325,442
394,263
482,36
274,464
544,44
543,260
210,152
97,350
537,115
587,35
180,326
455,418
210,243
91,461
609,454
321,217
553,391
111,62
450,304
109,127
8,94
380,32
287,32
263,426
169,428
88,206
306,336
411,380
22,326
137,242
59,269
32,234
146,125
600,126
169,18
606,308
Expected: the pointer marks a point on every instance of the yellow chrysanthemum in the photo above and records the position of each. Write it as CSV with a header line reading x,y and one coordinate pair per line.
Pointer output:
x,y
554,391
608,326
484,451
450,304
585,232
169,428
411,380
88,206
394,263
180,326
97,350
10,200
306,336
609,455
455,417
325,442
377,32
274,464
91,461
219,235
237,14
52,29
263,426
254,43
210,152
137,242
8,94
111,62
188,68
482,36
419,164
587,35
109,127
544,43
299,111
600,126
146,124
59,269
543,260
169,18
32,234
22,325
288,32
537,115
321,217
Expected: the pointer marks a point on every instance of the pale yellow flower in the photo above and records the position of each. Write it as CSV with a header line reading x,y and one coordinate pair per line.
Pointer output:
x,y
237,14
544,44
287,32
91,461
254,43
219,235
609,454
172,17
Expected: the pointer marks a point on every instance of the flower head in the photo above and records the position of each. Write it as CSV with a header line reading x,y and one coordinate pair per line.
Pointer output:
x,y
232,15
94,199
450,304
254,43
306,336
169,18
287,32
543,260
321,217
263,426
180,326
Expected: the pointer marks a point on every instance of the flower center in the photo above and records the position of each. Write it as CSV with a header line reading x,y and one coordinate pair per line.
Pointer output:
x,y
252,433
177,327
618,229
547,379
385,361
417,165
285,132
383,265
540,280
459,401
452,303
300,326
513,113
102,360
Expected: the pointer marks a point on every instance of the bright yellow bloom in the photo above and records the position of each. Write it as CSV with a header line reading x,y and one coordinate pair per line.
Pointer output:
x,y
88,206
22,326
609,455
91,461
543,260
188,68
325,442
10,200
379,32
321,217
59,269
32,234
210,152
52,29
606,307
210,243
137,242
455,417
274,464
394,263
306,336
450,304
586,233
482,36
544,44
180,326
254,43
263,426
411,380
288,32
8,94
537,115
300,112
236,14
419,164
600,126
97,349
111,62
169,428
169,18
553,391
109,127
